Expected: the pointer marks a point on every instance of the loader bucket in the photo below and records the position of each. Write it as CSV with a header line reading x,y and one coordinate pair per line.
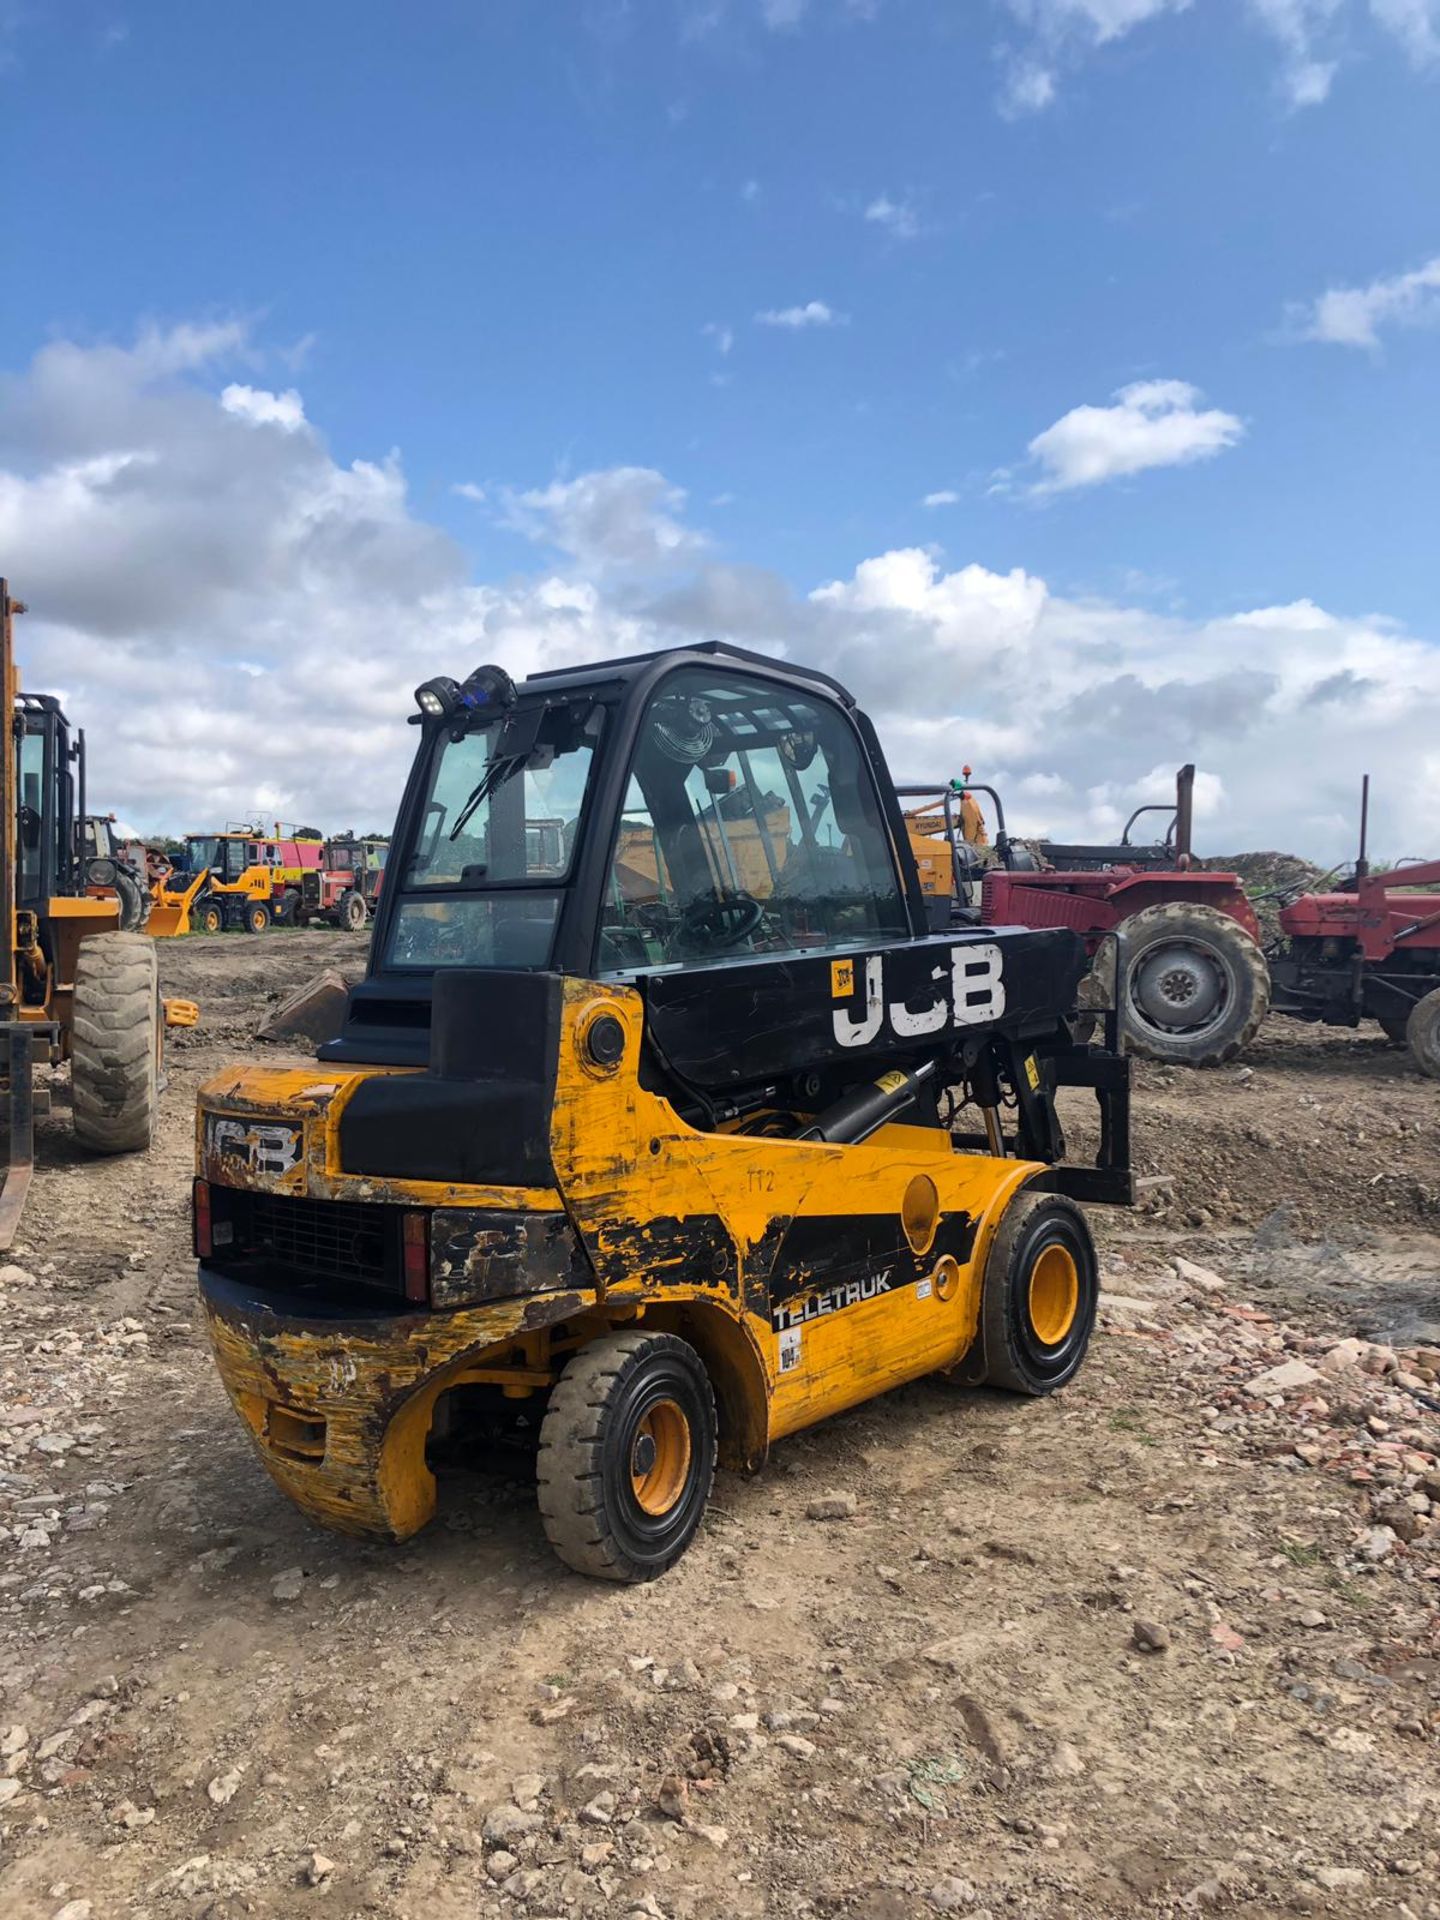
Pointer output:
x,y
170,910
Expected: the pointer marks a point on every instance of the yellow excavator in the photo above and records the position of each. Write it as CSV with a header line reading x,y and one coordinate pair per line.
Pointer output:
x,y
73,986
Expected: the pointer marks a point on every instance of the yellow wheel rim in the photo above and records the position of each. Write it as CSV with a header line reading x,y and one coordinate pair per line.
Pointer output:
x,y
1054,1295
660,1457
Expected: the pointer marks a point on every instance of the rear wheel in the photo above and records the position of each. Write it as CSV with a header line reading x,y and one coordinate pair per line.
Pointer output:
x,y
1194,986
1422,1034
627,1456
351,912
257,917
1041,1289
115,1041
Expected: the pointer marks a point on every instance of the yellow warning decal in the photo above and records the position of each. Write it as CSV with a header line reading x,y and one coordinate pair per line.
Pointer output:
x,y
842,978
1032,1072
891,1082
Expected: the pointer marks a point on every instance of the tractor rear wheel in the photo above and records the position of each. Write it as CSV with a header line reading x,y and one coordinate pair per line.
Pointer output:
x,y
351,912
1194,986
115,1041
1041,1290
1422,1034
627,1455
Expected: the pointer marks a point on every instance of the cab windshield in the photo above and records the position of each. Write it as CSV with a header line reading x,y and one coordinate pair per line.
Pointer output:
x,y
482,885
225,858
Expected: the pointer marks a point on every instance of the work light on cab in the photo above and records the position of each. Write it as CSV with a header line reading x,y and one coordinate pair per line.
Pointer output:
x,y
437,697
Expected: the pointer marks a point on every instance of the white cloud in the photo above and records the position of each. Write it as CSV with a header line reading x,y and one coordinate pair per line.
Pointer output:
x,y
814,313
1154,423
190,576
265,409
469,490
1029,88
723,336
897,217
1416,25
1353,316
1313,38
945,497
620,519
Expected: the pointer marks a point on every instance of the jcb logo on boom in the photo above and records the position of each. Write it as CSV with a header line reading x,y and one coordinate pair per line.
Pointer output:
x,y
967,992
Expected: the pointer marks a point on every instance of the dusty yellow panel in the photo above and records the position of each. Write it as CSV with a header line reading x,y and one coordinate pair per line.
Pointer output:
x,y
626,1163
310,1099
370,1388
82,907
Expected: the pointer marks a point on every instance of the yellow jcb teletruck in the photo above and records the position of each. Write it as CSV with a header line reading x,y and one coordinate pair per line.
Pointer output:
x,y
664,1132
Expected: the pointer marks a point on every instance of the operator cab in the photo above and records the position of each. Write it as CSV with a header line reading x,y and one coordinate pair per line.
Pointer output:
x,y
749,824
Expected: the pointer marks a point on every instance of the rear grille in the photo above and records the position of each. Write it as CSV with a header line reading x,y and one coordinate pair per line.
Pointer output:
x,y
314,1239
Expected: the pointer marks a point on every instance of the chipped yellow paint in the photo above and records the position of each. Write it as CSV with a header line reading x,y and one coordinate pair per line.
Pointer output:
x,y
374,1384
303,1097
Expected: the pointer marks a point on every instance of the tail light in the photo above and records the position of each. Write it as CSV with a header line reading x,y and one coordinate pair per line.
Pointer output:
x,y
417,1256
200,1216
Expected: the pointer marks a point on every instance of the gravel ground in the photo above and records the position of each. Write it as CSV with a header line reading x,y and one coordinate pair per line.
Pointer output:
x,y
1165,1644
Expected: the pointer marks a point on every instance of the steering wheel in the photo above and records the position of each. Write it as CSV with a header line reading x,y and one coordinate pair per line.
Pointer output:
x,y
718,920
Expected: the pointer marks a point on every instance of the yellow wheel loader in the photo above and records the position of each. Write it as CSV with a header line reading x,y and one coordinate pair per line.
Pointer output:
x,y
662,1125
73,985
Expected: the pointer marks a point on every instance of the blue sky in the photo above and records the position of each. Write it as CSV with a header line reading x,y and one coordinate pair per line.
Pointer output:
x,y
522,243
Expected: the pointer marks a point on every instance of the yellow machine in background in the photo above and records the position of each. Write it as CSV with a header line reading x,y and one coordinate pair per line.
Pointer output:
x,y
244,877
72,985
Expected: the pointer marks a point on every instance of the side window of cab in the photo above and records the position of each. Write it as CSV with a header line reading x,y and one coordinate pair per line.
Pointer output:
x,y
751,826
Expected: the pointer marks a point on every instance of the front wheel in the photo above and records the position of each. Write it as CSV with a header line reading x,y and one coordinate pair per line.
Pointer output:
x,y
1194,986
1422,1034
1041,1290
627,1456
351,912
210,917
116,1035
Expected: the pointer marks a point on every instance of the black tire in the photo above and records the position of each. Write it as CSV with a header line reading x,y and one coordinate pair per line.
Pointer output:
x,y
1193,985
1397,1032
1422,1034
134,901
1033,1341
350,912
115,1041
256,918
613,1397
287,907
208,917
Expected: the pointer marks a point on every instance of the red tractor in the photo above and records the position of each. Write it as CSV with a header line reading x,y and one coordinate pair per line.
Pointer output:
x,y
344,891
1368,951
1192,985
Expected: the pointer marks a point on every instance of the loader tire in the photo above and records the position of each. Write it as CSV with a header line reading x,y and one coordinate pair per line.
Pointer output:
x,y
115,1041
351,913
1193,985
1040,1292
1422,1034
627,1456
209,917
257,917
